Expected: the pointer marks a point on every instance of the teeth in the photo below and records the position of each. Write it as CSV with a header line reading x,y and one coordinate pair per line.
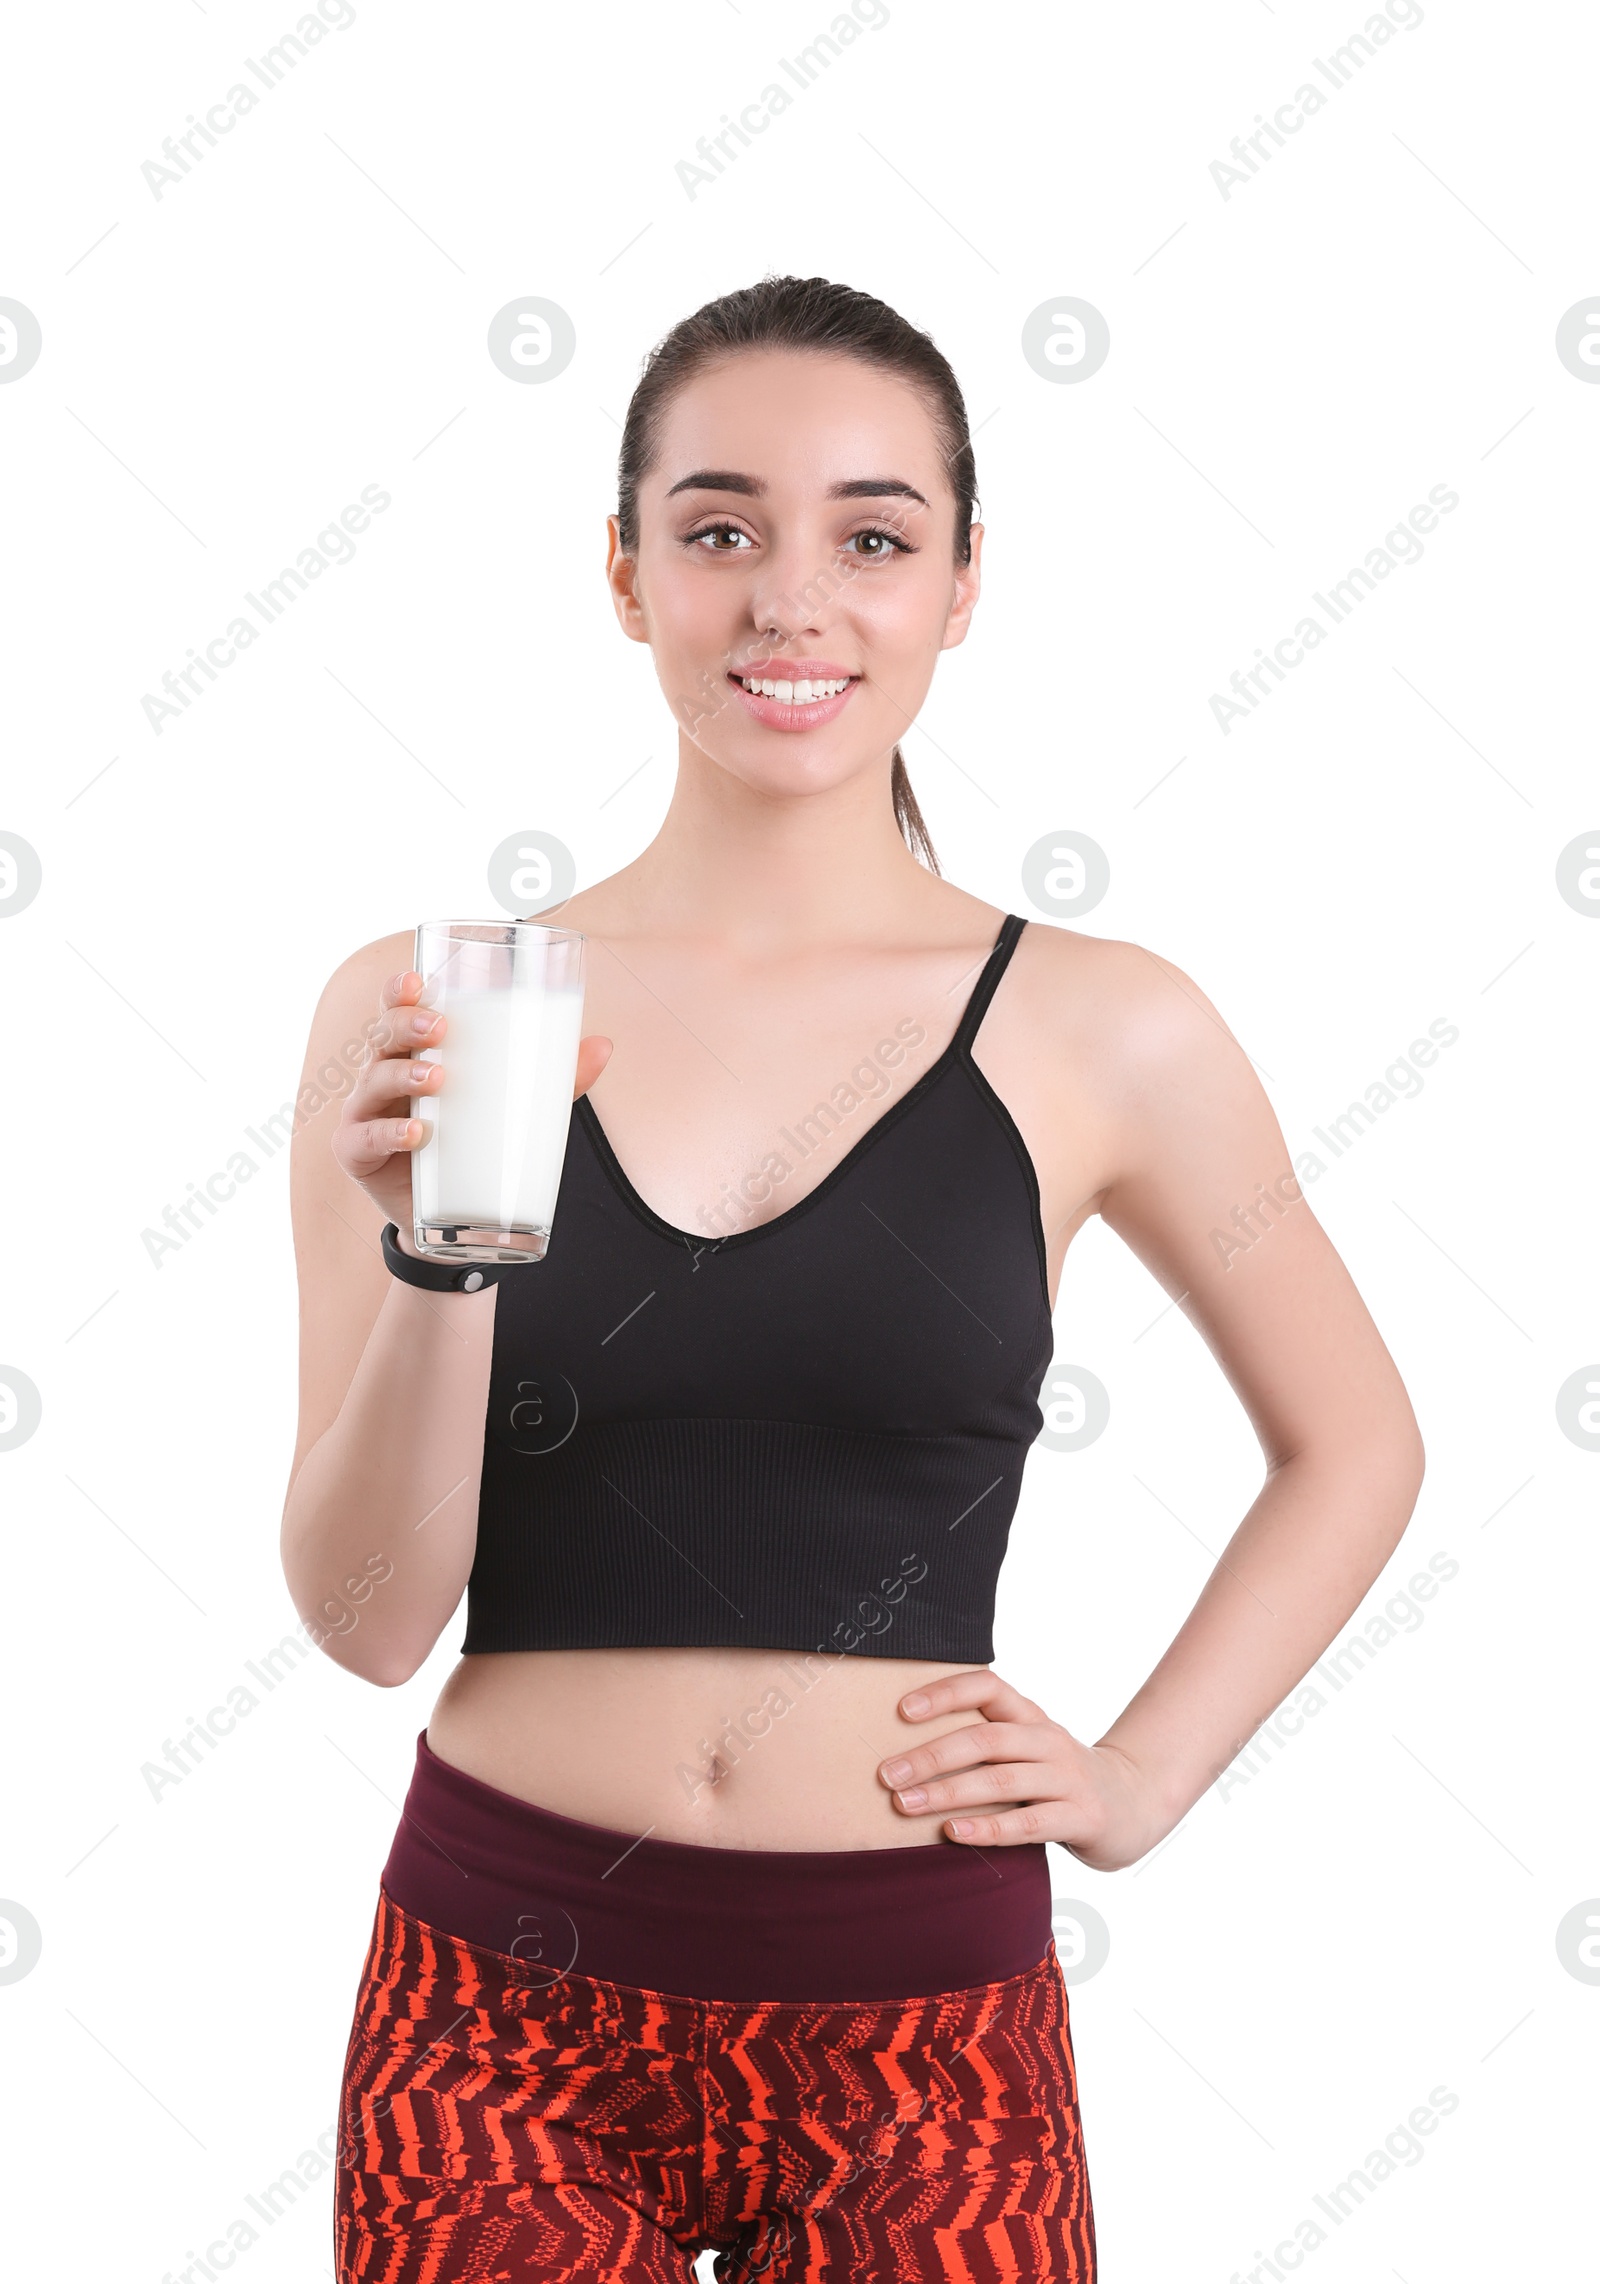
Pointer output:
x,y
793,693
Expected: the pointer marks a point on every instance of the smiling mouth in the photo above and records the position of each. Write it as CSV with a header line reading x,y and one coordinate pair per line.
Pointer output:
x,y
798,690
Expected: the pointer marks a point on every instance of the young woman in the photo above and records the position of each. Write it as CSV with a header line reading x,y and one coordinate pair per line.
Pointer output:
x,y
719,1913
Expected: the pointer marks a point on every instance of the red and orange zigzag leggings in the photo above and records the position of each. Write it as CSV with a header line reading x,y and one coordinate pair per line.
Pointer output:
x,y
504,2120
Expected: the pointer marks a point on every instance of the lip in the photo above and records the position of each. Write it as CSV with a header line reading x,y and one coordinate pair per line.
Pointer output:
x,y
777,717
794,670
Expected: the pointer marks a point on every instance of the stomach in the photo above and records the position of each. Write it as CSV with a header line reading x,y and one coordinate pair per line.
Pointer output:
x,y
723,1748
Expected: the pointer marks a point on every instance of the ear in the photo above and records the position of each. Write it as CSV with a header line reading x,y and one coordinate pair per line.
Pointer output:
x,y
965,593
622,578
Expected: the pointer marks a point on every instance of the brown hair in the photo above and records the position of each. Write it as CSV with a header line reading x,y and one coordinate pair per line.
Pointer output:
x,y
816,314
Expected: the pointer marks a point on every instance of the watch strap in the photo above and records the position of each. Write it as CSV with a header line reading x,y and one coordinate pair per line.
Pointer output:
x,y
439,1276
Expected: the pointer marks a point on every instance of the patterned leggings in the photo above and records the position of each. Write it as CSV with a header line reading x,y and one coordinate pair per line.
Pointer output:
x,y
498,2125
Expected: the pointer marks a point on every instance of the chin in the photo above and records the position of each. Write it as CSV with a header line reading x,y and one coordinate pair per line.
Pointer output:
x,y
787,773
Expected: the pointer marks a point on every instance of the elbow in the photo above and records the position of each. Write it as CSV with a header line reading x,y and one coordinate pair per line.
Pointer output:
x,y
351,1628
1408,1456
1381,1438
386,1665
1420,1454
1396,1461
392,1672
1382,1466
1388,1474
371,1655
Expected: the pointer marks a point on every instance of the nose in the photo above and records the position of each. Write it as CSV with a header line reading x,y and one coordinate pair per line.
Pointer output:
x,y
794,589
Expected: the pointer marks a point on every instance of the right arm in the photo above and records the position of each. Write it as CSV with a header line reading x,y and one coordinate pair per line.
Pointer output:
x,y
380,1517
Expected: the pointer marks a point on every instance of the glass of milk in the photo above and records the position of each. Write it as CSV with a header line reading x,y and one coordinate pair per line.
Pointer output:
x,y
484,1183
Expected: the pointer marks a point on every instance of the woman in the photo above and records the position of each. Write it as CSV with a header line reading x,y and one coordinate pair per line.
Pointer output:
x,y
719,1913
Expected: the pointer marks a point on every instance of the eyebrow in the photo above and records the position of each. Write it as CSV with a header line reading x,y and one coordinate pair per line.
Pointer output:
x,y
853,488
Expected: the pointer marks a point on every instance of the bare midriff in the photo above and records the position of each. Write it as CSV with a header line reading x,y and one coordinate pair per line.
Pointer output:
x,y
723,1748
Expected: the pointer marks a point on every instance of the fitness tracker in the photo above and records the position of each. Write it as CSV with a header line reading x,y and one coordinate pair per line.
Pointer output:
x,y
440,1276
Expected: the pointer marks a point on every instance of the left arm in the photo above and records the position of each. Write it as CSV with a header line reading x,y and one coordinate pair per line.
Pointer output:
x,y
1194,1138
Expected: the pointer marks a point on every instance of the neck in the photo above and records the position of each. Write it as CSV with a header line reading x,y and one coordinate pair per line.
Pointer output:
x,y
771,871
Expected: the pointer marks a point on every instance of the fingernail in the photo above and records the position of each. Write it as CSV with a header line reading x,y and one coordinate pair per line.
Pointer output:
x,y
915,1703
914,1798
961,1824
894,1770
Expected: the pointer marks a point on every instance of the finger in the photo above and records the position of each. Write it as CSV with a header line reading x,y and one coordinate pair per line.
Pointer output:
x,y
400,989
401,1030
1012,1829
961,1692
593,1055
391,1079
960,1748
369,1143
970,1788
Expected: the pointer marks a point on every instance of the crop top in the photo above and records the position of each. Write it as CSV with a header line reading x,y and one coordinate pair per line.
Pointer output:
x,y
807,1435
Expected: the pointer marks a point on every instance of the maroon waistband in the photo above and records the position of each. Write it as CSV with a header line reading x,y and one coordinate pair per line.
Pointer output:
x,y
711,1923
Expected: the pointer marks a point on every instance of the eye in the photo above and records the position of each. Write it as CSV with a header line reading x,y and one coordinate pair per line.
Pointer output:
x,y
887,544
719,531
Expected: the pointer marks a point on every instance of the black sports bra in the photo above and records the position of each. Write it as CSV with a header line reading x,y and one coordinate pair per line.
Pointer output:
x,y
808,1435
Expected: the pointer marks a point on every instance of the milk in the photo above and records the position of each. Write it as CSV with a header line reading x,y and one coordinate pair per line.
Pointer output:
x,y
499,1122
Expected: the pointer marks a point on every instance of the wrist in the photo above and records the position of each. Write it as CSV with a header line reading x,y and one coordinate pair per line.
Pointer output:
x,y
411,1267
1148,1792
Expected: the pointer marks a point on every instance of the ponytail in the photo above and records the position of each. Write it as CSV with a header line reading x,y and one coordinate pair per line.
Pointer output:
x,y
908,816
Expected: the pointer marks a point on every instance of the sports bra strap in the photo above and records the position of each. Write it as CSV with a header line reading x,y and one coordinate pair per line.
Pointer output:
x,y
983,990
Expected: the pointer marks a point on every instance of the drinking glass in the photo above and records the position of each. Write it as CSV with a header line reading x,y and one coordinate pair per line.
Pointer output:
x,y
484,1183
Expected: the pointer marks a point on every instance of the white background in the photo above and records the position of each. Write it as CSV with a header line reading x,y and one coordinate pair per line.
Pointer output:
x,y
1373,1914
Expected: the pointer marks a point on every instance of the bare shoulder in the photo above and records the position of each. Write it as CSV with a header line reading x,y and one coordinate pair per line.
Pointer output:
x,y
355,983
1119,1009
340,1040
1116,1062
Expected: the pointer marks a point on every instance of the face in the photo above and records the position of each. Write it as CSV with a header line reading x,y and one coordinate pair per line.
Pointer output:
x,y
807,494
